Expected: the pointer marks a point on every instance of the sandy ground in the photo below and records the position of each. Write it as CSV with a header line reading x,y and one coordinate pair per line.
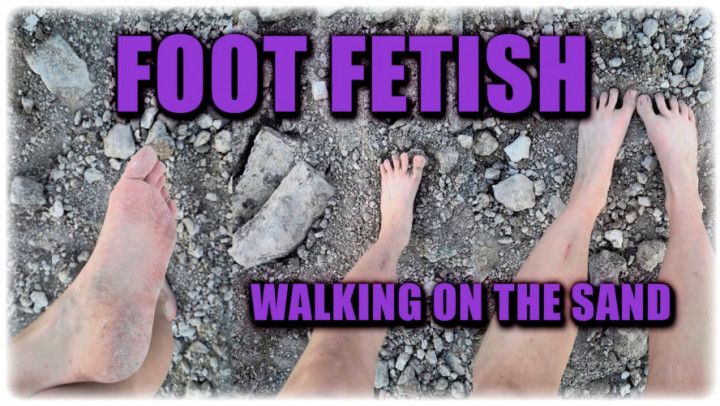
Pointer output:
x,y
461,232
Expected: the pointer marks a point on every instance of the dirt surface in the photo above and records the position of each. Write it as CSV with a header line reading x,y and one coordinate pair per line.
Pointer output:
x,y
461,232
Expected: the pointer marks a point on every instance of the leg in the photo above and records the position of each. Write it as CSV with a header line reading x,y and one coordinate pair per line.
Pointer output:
x,y
151,375
520,360
342,361
680,355
109,308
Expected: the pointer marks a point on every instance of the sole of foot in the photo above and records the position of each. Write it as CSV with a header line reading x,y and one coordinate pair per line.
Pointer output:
x,y
112,301
673,134
599,139
399,182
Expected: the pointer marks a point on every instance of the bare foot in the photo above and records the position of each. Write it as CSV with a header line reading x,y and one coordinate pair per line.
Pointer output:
x,y
673,134
599,140
398,185
99,329
151,375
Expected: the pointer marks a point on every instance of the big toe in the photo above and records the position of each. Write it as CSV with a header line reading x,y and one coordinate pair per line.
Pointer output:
x,y
141,164
645,109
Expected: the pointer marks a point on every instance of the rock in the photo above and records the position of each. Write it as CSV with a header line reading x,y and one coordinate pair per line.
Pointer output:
x,y
204,121
650,27
703,20
382,377
26,192
518,149
613,29
447,159
283,222
441,384
695,74
455,364
615,62
677,66
62,71
484,254
198,347
319,90
439,21
30,23
93,175
615,237
202,138
465,141
704,97
222,141
246,22
148,116
402,361
39,300
27,104
119,142
408,384
650,254
528,15
492,174
271,14
160,140
457,390
516,192
57,210
270,160
555,206
486,145
605,267
629,343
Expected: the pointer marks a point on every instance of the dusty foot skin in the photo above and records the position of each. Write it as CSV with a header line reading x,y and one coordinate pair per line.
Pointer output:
x,y
99,329
399,184
151,375
599,140
673,134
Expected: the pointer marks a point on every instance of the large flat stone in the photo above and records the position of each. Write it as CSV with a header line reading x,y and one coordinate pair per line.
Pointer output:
x,y
283,222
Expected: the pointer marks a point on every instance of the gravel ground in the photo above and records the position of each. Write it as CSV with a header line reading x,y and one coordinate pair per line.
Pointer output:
x,y
68,147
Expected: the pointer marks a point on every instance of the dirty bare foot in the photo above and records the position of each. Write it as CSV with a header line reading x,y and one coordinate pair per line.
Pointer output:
x,y
399,184
599,140
673,134
151,375
99,329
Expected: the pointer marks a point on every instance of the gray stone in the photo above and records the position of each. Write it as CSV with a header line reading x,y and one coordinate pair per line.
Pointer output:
x,y
30,23
518,149
455,363
650,27
484,254
93,175
246,22
402,361
148,116
62,71
222,141
516,192
202,138
204,121
160,140
650,254
605,267
270,160
39,300
555,206
26,192
119,142
615,237
382,377
486,144
457,390
629,343
613,29
704,97
703,20
439,21
284,220
447,159
319,90
695,74
465,141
